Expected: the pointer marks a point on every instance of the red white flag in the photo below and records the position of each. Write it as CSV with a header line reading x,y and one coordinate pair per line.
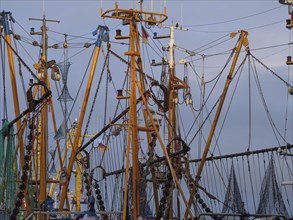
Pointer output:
x,y
145,35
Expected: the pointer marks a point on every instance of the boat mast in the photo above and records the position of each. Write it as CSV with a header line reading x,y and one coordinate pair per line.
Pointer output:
x,y
4,16
101,31
133,17
43,67
243,41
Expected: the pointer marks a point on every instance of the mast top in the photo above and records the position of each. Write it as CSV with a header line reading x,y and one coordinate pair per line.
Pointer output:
x,y
152,18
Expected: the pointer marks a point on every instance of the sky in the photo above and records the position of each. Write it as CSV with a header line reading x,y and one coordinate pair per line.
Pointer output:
x,y
209,24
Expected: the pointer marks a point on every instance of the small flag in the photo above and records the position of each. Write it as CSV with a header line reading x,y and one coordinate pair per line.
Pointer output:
x,y
60,134
145,35
102,147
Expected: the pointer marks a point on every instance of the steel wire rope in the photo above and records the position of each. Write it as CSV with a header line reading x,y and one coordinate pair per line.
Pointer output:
x,y
159,43
21,60
226,167
229,31
251,183
244,177
259,168
29,55
281,170
240,68
214,203
274,73
203,46
119,103
94,99
79,88
273,125
236,19
2,52
239,177
255,174
209,97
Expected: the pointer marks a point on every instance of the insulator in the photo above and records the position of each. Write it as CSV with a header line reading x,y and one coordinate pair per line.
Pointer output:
x,y
41,74
203,205
98,192
99,197
32,125
101,202
87,45
89,193
167,184
24,177
96,186
28,147
207,209
197,196
163,200
85,174
15,211
102,208
20,195
88,187
85,181
18,203
166,192
22,186
159,214
26,167
27,157
200,200
30,137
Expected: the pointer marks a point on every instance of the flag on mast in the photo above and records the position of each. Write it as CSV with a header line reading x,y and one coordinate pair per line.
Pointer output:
x,y
145,35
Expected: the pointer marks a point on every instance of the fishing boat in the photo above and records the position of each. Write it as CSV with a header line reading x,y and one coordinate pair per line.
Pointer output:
x,y
141,134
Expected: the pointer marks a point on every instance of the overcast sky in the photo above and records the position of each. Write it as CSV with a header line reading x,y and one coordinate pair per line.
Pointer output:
x,y
206,21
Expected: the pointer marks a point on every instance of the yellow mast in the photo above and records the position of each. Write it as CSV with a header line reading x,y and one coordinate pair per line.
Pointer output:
x,y
242,41
81,117
7,33
133,17
43,74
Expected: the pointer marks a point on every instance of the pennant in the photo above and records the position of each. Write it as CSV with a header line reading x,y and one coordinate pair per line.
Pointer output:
x,y
102,147
145,35
60,134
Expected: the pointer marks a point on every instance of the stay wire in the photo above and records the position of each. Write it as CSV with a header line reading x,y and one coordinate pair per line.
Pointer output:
x,y
274,128
236,19
2,51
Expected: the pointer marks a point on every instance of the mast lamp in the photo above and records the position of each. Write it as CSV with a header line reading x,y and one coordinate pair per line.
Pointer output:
x,y
286,2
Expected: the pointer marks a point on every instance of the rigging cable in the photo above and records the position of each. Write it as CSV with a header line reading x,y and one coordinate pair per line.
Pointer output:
x,y
230,57
274,128
236,19
2,51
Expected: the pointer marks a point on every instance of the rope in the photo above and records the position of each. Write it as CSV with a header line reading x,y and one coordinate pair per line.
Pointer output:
x,y
5,116
94,100
21,60
274,73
